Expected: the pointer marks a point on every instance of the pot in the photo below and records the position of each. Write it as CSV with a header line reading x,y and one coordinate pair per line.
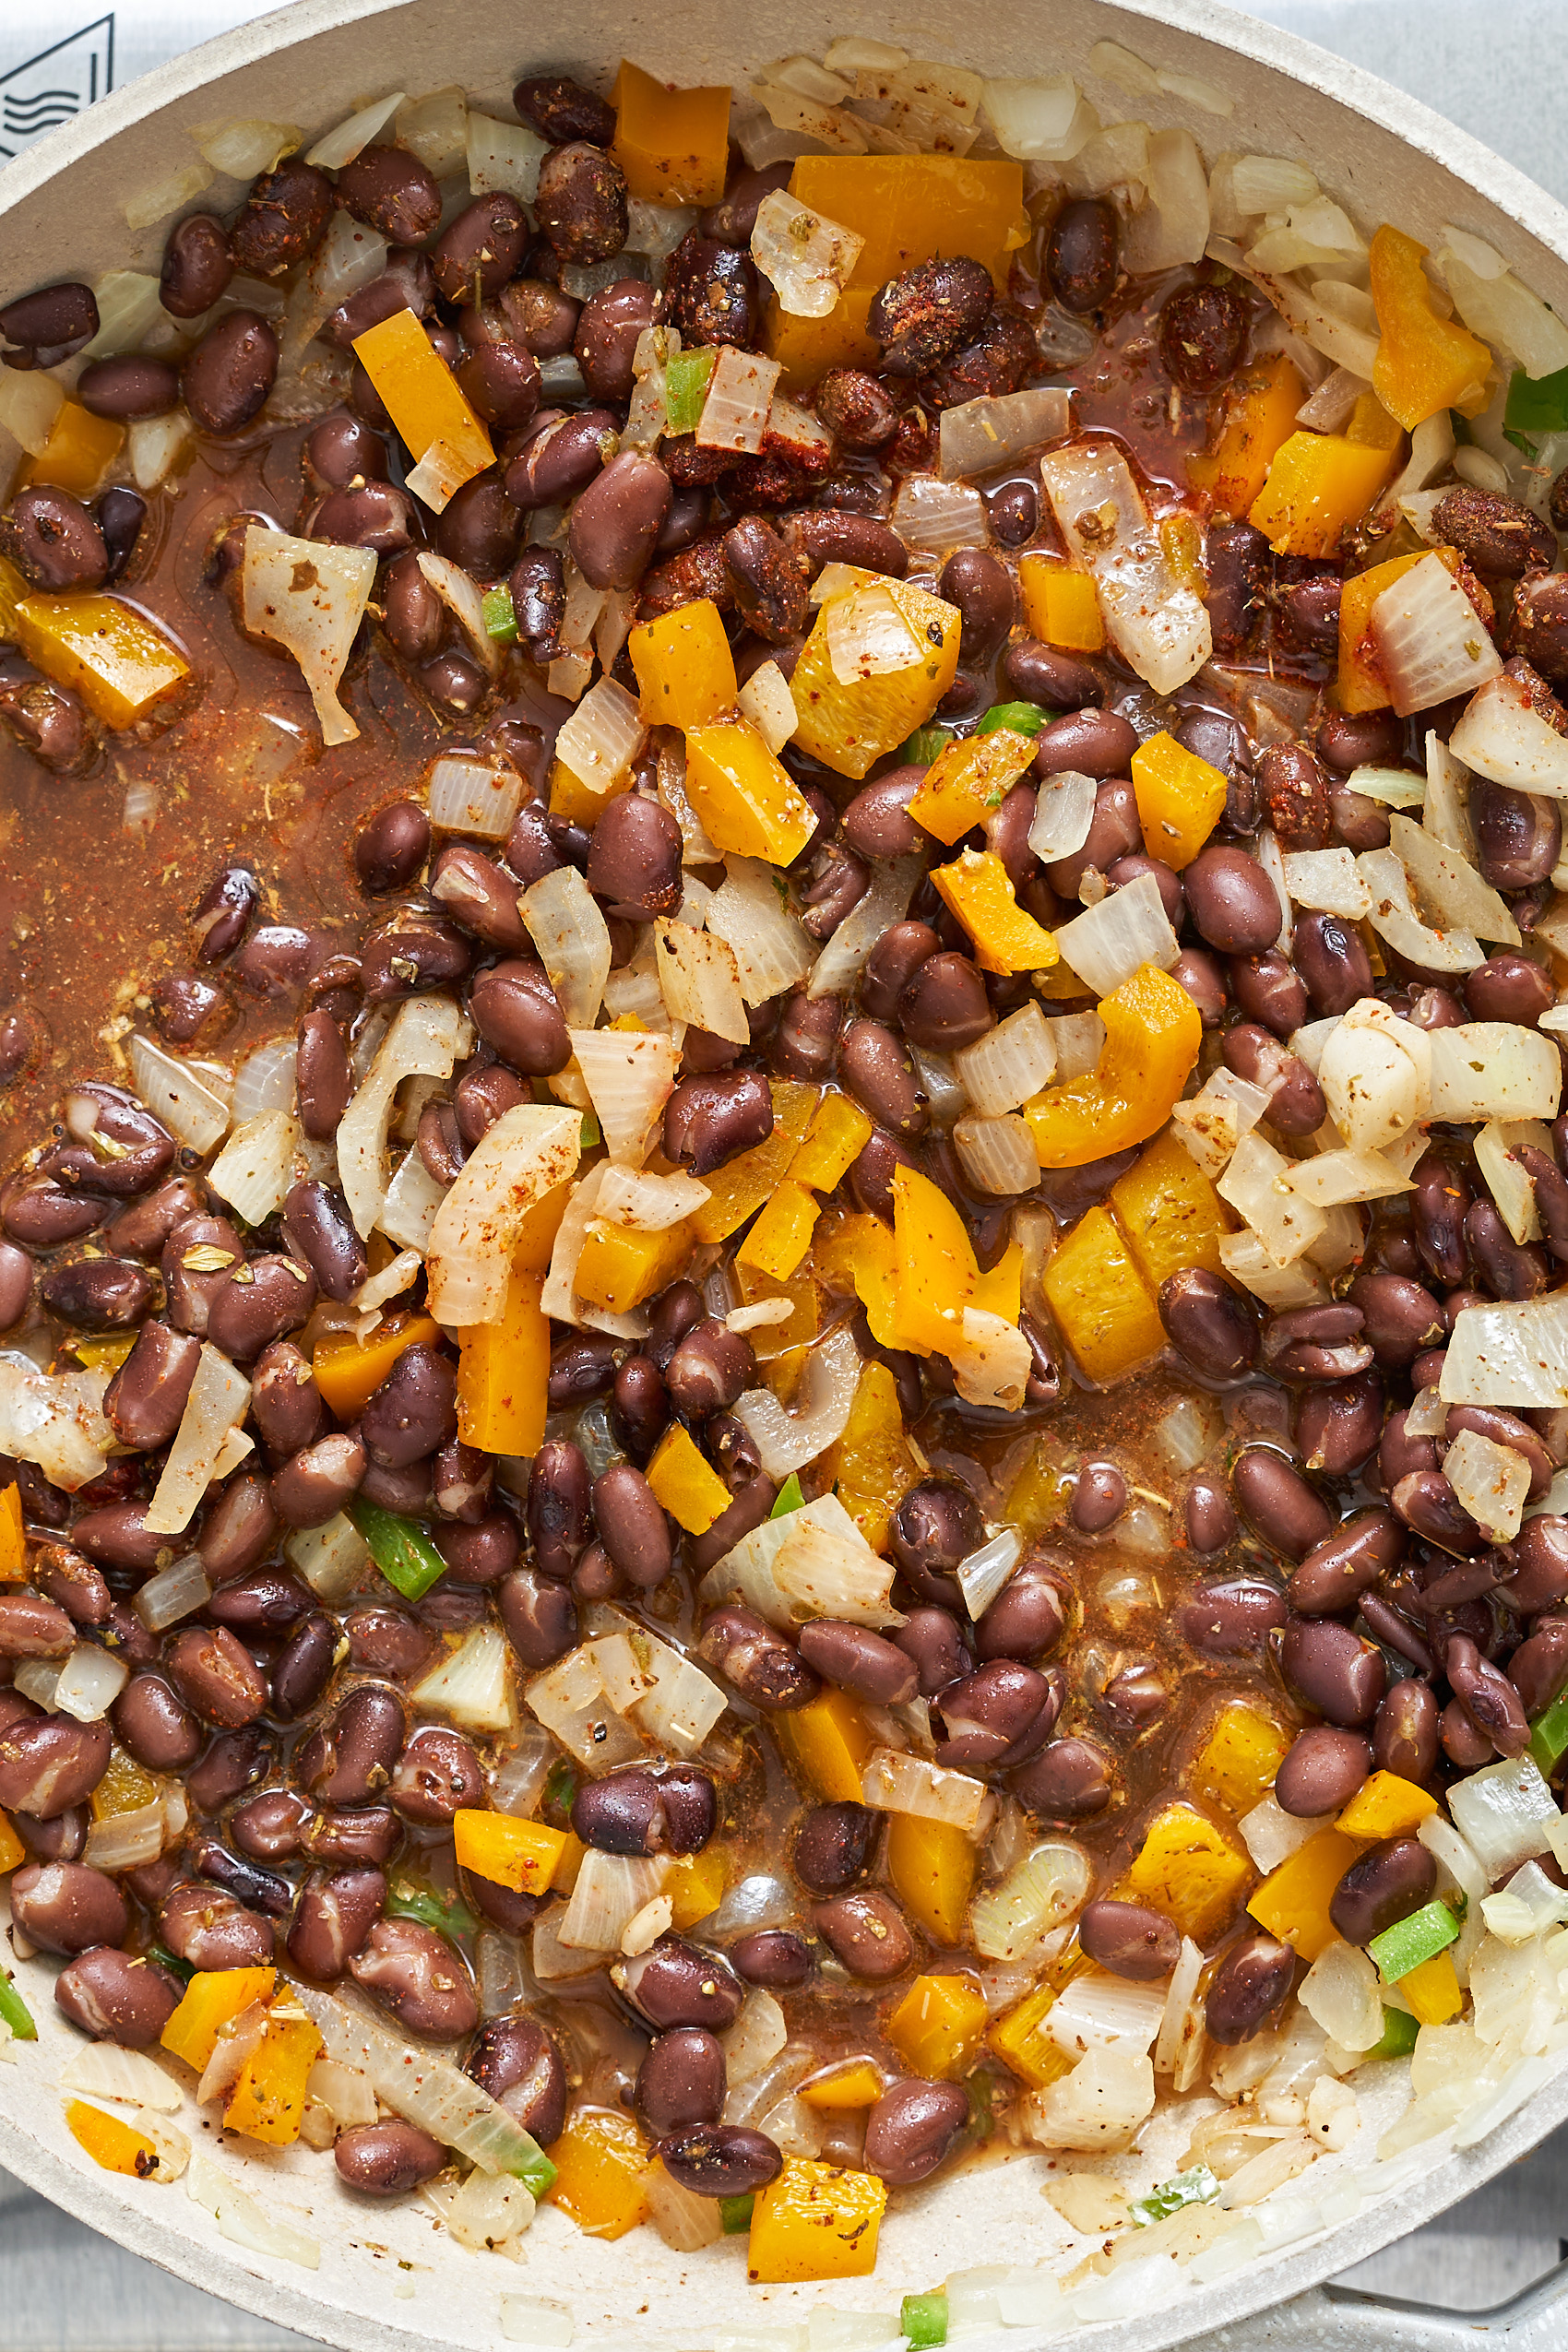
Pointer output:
x,y
388,2280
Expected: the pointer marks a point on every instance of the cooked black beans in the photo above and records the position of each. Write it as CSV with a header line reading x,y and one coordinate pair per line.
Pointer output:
x,y
1333,1670
720,2160
1252,1982
763,1666
1321,1771
226,379
1209,1321
913,2128
518,2063
676,1983
1232,1618
1382,1887
387,2160
53,541
66,1907
710,1119
419,1976
514,1008
475,256
681,2082
868,1932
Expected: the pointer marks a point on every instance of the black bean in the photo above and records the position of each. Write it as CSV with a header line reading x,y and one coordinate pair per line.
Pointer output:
x,y
1231,1618
1493,532
387,2160
1333,1670
1405,1731
711,292
582,1366
226,379
1296,1101
1129,1940
1315,1344
391,190
681,2082
913,2128
581,203
418,1976
281,218
258,1302
1202,337
316,1481
1092,743
1100,1497
634,861
608,329
196,267
1287,1511
131,387
145,1399
1231,900
54,540
1347,1563
1538,1667
514,1008
762,1663
561,456
677,1983
868,1932
518,2061
1322,1771
1027,1621
558,1507
982,589
1509,1269
1382,1887
1013,512
66,1907
709,1119
943,1007
876,822
1518,835
720,2160
413,1411
238,1528
1003,1710
632,1526
1082,254
1209,1321
481,249
855,409
152,1723
1252,1982
616,520
773,1956
352,1757
1486,1696
116,1998
854,1659
540,1617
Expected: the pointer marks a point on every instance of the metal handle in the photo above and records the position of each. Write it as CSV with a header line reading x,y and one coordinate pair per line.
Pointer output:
x,y
1341,2318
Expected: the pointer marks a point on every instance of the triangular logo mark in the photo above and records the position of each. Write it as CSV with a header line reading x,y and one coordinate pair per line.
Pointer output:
x,y
55,84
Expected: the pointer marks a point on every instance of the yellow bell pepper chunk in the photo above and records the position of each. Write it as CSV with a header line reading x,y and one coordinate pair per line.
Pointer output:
x,y
1180,799
1318,485
1039,1493
1358,685
620,1269
422,396
859,1258
835,1140
827,1742
1433,1991
850,726
601,2163
1170,1212
1000,1291
686,1484
939,2025
13,1543
1190,1869
13,592
1293,1902
504,1367
1104,1307
1259,418
1370,424
104,650
507,1850
116,2145
213,1998
695,1885
977,888
102,1355
686,671
1061,606
873,1468
966,781
12,1850
908,209
348,1375
124,1788
1152,1036
782,1234
814,2222
79,450
857,2083
1021,2042
801,1326
744,798
1424,363
269,2098
935,1266
933,1866
672,144
1236,1766
578,802
1385,1806
738,1190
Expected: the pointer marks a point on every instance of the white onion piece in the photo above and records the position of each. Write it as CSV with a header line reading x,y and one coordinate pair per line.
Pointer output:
x,y
1284,1225
767,701
1095,2008
1374,1084
1447,886
869,637
608,1892
421,1043
1106,944
174,1592
701,981
558,1298
162,197
1494,1070
310,598
461,597
218,1401
192,1113
55,1419
245,147
991,1360
432,128
129,310
751,911
264,1080
1050,1886
983,1573
740,393
1043,120
1501,736
1180,2034
1509,1354
1079,1039
603,737
417,2084
1394,917
413,1198
1490,1481
466,796
807,258
575,1708
630,1076
939,515
566,925
153,445
1503,1813
489,2213
537,2319
1246,1261
1446,815
1511,1188
1211,1124
824,1567
1431,642
648,1204
529,1151
1335,1177
1011,1062
786,1441
1501,311
979,435
1347,346
998,1154
1063,813
1172,226
901,1784
473,1686
847,953
1156,620
436,481
350,255
684,1703
1328,880
254,1168
504,156
91,1679
1393,786
339,145
1328,408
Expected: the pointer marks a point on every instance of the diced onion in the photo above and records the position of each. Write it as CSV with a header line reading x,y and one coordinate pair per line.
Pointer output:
x,y
786,1441
1063,813
979,435
648,1204
1011,1062
998,1154
472,1685
1157,620
558,1298
848,952
421,2086
701,982
940,515
1284,1224
421,1043
413,1198
163,197
218,1401
1502,311
1328,880
536,2320
1172,226
609,1891
91,1679
1494,1070
900,1784
350,255
868,636
1501,736
1048,1887
740,393
243,2222
567,926
1450,890
1106,944
1394,787
1490,1481
244,146
685,2222
1431,642
1342,1991
630,1076
55,1419
310,598
264,1080
1095,2009
1337,1177
1114,159
1179,2040
983,1572
127,1841
192,1113
1511,1187
767,701
1503,1813
529,1150
990,1360
254,1168
807,258
826,1568
603,737
1393,917
1079,1039
750,911
339,145
574,1706
466,796
505,156
1044,121
459,593
1515,1354
106,2072
174,1592
433,128
1244,1258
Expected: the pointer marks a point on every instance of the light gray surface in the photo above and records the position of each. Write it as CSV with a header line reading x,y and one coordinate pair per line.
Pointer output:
x,y
1492,66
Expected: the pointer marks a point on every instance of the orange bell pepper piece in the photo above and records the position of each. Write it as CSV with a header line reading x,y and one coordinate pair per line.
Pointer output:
x,y
12,1850
1259,418
422,397
348,1375
601,2162
269,2098
782,1234
1359,685
504,1367
874,1469
13,1544
1190,1869
857,2083
116,2145
744,797
938,2026
835,1140
619,1270
104,650
684,1482
977,888
695,1885
1424,363
1318,485
1061,606
828,1742
686,671
672,144
1433,1991
858,1258
578,802
507,1850
935,1267
966,781
814,2222
1293,1902
1180,799
1169,1213
79,451
1152,1036
211,2000
933,1866
1104,1307
1236,1766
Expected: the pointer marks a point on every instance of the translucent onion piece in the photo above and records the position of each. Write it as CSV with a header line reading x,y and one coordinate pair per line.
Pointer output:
x,y
1501,736
1328,880
30,403
505,156
807,258
461,597
1394,917
473,1686
1503,1813
610,1890
1431,642
991,1360
1063,813
426,2089
467,796
436,481
603,737
254,1168
244,146
566,924
264,1080
983,1572
700,979
1106,944
751,911
847,953
1172,226
433,128
1501,311
1043,121
348,256
90,1679
166,196
1157,621
1246,1261
796,436
1511,1188
1213,1121
787,1442
340,146
685,2222
867,635
629,1078
174,1592
1182,2027
1078,1039
421,1043
900,1784
939,515
1448,888
1446,815
648,1204
1394,787
573,1705
1011,1062
645,417
1490,1481
192,1113
767,701
529,1151
413,1198
218,1401
824,1567
1494,1070
740,393
55,1419
103,2071
534,2319
127,1841
998,1154
310,598
657,229
1095,2009
1047,1888
1337,1177
1284,1224
684,1703
979,435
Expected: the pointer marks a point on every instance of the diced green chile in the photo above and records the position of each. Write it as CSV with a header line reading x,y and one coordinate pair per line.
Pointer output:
x,y
1410,1941
399,1548
14,2012
924,2319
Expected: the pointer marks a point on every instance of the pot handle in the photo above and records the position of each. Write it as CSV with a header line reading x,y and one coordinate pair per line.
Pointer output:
x,y
1342,2319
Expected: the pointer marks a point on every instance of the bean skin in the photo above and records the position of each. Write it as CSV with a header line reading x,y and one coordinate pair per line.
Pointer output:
x,y
1538,1667
518,2061
1334,1670
681,2082
1129,1940
387,2160
1233,904
48,1764
354,1756
417,1976
66,1907
480,250
773,1956
1027,1619
720,2160
1208,1321
854,1659
1337,1424
676,1983
540,1618
1322,1771
215,1674
115,1999
868,1933
763,1666
1540,1577
1232,1619
709,1120
414,1412
1404,1731
912,2128
145,1399
1251,1984
154,1726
